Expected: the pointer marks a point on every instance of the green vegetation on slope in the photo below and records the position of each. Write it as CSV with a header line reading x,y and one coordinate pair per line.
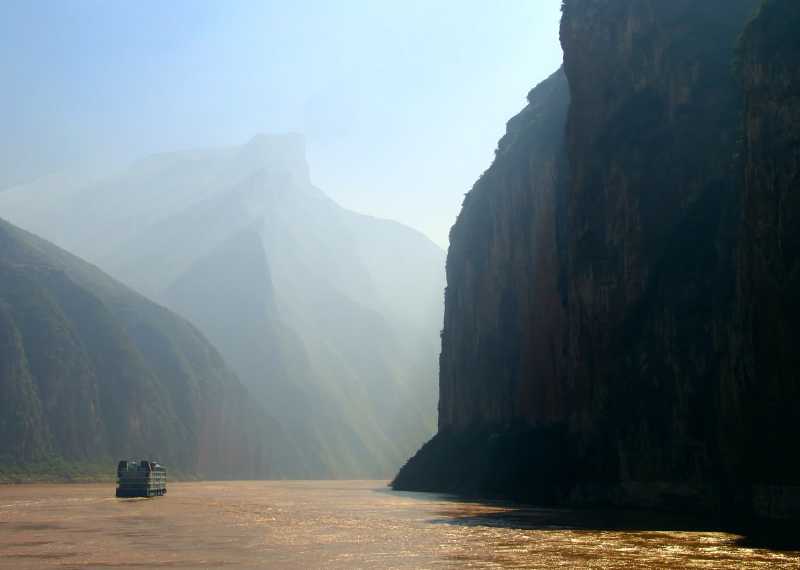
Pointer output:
x,y
92,370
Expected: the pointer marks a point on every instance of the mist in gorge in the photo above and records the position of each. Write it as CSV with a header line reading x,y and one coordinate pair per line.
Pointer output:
x,y
367,284
276,177
335,340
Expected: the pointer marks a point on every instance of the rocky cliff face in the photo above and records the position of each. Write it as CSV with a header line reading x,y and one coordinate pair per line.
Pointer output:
x,y
651,139
762,388
502,343
91,371
589,351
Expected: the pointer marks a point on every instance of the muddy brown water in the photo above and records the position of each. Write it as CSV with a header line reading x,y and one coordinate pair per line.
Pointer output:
x,y
339,524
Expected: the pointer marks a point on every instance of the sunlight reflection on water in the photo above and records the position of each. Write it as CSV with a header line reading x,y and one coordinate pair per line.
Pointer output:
x,y
338,524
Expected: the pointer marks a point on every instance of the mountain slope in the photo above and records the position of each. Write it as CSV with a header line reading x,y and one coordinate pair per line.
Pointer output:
x,y
93,371
330,317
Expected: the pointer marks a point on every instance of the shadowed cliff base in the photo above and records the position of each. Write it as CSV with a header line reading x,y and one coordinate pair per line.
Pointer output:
x,y
546,466
501,464
542,467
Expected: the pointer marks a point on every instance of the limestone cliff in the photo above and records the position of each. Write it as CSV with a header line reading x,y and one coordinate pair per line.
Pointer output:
x,y
501,344
762,389
651,138
618,318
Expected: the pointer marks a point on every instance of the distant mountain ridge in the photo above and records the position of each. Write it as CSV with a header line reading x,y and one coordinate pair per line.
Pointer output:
x,y
330,317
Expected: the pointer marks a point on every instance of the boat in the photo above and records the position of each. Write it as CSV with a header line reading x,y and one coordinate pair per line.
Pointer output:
x,y
141,478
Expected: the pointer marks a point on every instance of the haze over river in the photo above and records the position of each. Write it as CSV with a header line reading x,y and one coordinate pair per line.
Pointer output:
x,y
338,524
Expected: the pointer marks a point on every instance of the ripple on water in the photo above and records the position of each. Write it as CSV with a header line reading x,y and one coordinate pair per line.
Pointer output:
x,y
340,525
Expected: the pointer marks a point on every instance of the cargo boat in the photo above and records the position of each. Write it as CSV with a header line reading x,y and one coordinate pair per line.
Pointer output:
x,y
141,479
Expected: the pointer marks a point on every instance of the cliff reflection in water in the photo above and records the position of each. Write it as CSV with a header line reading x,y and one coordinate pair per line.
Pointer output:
x,y
341,524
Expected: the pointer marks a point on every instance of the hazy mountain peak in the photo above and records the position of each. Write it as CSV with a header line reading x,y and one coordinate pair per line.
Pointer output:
x,y
316,307
267,140
276,152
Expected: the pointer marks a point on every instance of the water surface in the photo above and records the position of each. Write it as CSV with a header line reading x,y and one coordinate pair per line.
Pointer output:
x,y
339,524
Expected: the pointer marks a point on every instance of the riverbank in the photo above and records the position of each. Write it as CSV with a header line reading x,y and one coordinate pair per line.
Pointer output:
x,y
56,470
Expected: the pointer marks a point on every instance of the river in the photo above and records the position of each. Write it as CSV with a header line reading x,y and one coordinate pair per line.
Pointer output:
x,y
340,524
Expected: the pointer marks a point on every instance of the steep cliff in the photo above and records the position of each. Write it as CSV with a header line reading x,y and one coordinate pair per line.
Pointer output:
x,y
502,365
762,389
91,372
651,139
502,351
630,353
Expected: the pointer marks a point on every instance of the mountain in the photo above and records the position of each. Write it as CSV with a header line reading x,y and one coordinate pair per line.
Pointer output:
x,y
92,371
620,282
762,386
329,317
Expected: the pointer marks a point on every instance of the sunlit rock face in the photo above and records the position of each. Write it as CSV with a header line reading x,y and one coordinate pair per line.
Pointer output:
x,y
605,341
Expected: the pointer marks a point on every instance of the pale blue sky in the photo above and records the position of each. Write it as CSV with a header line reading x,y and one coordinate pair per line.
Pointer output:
x,y
402,102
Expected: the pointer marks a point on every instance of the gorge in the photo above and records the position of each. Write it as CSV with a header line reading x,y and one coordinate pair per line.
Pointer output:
x,y
329,318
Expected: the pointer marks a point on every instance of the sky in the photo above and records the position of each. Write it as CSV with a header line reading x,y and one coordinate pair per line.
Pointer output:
x,y
401,102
